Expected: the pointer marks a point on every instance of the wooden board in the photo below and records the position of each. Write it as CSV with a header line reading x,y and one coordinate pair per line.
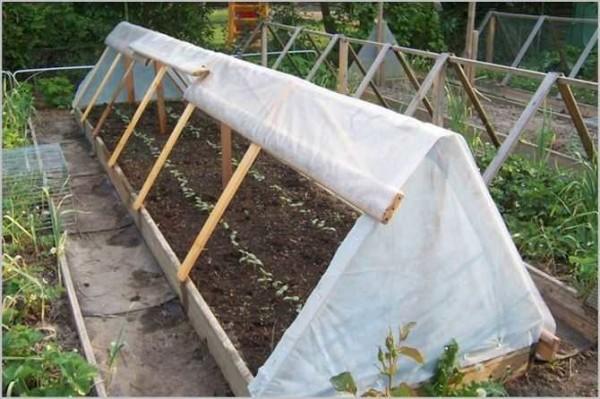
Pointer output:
x,y
84,339
230,362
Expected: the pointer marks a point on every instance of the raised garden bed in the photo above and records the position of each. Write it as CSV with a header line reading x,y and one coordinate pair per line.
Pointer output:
x,y
255,292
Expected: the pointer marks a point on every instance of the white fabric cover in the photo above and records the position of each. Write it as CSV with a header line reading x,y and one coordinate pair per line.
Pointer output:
x,y
445,261
124,34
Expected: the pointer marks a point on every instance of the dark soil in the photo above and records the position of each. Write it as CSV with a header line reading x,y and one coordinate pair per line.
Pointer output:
x,y
291,225
574,376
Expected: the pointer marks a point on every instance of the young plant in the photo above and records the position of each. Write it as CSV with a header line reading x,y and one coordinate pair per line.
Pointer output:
x,y
388,359
448,380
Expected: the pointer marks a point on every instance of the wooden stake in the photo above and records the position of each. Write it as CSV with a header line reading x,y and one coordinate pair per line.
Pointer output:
x,y
226,164
439,93
160,102
577,118
469,34
342,78
264,46
218,210
547,346
474,51
101,87
517,130
470,90
93,73
164,154
113,98
129,81
489,40
136,117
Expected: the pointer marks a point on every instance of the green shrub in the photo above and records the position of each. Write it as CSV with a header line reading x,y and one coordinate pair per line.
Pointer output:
x,y
57,91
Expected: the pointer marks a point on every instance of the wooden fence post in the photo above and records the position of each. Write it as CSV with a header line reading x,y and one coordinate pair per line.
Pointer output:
x,y
342,78
489,40
226,164
160,102
264,45
474,51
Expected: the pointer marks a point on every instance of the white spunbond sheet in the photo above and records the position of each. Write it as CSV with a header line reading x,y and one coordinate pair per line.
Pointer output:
x,y
445,261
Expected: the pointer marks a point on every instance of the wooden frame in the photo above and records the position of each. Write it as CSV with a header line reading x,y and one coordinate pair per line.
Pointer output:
x,y
438,66
322,57
287,47
215,215
100,87
517,130
92,75
136,116
109,106
160,102
584,54
204,321
372,70
525,47
164,154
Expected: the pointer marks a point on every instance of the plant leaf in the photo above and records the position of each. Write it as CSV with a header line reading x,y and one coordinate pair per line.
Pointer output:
x,y
413,353
344,382
402,390
405,330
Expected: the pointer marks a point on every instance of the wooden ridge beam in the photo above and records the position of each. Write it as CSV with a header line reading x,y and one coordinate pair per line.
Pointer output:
x,y
519,127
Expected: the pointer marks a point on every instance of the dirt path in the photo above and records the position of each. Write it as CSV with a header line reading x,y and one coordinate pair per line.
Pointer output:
x,y
125,299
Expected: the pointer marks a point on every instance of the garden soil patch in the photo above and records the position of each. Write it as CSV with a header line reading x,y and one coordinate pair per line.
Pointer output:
x,y
276,240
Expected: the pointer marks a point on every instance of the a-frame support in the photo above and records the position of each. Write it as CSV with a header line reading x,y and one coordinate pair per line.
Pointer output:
x,y
217,213
100,87
136,117
517,130
93,73
113,98
372,70
525,47
439,64
164,154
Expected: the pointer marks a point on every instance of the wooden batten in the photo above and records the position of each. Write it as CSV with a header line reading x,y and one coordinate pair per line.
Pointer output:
x,y
164,154
136,117
217,213
100,87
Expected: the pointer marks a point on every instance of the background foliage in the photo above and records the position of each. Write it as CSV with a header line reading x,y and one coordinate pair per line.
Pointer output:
x,y
53,34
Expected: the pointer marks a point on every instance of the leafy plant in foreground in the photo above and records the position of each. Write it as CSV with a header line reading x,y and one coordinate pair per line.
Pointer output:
x,y
388,367
448,380
17,105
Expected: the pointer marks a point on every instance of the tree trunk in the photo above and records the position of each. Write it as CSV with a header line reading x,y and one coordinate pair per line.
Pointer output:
x,y
328,21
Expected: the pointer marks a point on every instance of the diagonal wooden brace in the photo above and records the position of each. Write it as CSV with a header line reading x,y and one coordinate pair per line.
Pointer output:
x,y
113,98
92,75
322,57
215,215
164,154
100,87
412,77
372,70
440,62
136,117
287,47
